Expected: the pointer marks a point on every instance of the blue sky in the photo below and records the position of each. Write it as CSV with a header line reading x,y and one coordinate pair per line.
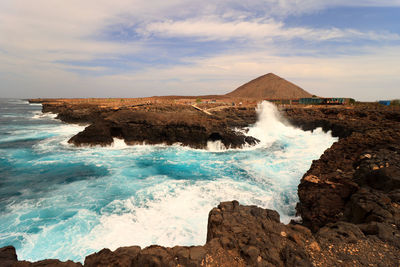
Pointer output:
x,y
125,48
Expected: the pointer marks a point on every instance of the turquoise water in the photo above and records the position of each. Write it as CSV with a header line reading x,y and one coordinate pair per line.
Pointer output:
x,y
58,201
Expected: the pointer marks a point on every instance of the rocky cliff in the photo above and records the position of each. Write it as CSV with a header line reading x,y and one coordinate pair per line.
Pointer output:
x,y
357,180
155,124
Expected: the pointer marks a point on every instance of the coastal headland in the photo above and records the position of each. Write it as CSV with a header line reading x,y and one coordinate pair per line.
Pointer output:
x,y
349,199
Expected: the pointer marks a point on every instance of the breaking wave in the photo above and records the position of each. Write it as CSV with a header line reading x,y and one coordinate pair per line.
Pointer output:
x,y
59,201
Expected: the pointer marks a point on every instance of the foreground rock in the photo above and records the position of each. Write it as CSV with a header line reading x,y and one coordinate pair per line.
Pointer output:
x,y
248,236
8,258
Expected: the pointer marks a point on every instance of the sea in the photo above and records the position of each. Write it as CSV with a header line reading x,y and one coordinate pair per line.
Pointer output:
x,y
65,202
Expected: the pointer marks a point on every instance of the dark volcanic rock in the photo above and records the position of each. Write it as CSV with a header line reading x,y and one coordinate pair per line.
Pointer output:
x,y
352,192
95,134
340,232
167,125
257,234
121,257
327,187
81,114
8,256
379,169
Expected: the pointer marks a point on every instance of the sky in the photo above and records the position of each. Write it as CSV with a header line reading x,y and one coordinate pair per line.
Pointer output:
x,y
137,48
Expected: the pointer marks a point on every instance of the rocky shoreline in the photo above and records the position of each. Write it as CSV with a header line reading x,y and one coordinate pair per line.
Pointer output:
x,y
349,199
155,124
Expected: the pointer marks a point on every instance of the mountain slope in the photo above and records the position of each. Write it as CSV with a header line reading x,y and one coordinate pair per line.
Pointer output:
x,y
269,86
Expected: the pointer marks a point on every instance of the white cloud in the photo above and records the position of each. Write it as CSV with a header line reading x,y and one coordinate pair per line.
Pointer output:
x,y
36,36
370,76
286,7
54,30
214,29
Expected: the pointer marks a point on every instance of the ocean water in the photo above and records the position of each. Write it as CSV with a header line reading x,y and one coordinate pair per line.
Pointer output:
x,y
59,201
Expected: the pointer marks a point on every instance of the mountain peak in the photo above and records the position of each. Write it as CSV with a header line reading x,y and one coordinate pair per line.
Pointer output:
x,y
269,86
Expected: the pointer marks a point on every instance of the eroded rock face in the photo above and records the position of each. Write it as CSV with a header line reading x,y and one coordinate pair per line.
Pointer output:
x,y
257,235
352,192
81,114
366,156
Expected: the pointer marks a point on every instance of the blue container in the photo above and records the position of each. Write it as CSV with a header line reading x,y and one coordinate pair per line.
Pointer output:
x,y
384,102
311,101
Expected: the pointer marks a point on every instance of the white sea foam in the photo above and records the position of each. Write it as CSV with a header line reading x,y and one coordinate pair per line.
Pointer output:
x,y
119,143
40,115
215,146
173,212
18,101
59,135
270,126
10,116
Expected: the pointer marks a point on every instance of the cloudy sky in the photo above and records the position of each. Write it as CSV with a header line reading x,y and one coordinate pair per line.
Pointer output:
x,y
133,48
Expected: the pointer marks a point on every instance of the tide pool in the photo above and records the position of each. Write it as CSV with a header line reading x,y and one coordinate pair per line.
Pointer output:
x,y
59,201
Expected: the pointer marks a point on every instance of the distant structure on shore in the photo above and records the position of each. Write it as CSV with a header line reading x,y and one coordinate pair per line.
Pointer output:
x,y
385,102
275,89
270,86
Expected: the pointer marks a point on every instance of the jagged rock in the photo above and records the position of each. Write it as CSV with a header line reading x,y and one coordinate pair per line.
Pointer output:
x,y
121,257
395,196
8,256
386,232
256,234
368,205
381,175
340,232
328,186
95,134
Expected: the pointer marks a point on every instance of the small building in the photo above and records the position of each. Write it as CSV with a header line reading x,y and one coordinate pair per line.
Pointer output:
x,y
275,101
384,102
284,101
324,101
334,101
311,101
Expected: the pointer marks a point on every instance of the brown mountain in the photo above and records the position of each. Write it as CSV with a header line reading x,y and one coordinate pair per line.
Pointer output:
x,y
269,86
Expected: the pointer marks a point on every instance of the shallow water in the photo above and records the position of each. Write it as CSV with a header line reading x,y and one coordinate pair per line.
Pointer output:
x,y
58,201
